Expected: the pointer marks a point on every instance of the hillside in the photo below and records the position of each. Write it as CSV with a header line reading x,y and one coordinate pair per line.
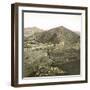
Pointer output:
x,y
57,35
31,31
52,52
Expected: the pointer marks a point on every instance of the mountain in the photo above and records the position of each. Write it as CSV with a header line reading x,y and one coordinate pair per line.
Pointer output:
x,y
57,35
31,31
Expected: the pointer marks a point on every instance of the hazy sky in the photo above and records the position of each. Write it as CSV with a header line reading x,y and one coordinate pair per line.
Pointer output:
x,y
48,21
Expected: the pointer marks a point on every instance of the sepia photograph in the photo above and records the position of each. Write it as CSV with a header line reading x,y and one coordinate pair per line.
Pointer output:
x,y
51,44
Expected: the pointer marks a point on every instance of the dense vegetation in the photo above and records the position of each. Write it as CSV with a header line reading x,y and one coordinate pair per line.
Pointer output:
x,y
50,53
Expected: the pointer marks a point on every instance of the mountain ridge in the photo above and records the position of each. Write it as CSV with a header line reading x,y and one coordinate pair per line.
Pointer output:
x,y
57,34
54,35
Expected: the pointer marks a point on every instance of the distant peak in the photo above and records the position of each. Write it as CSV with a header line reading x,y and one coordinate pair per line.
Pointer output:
x,y
34,27
59,27
62,27
38,28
